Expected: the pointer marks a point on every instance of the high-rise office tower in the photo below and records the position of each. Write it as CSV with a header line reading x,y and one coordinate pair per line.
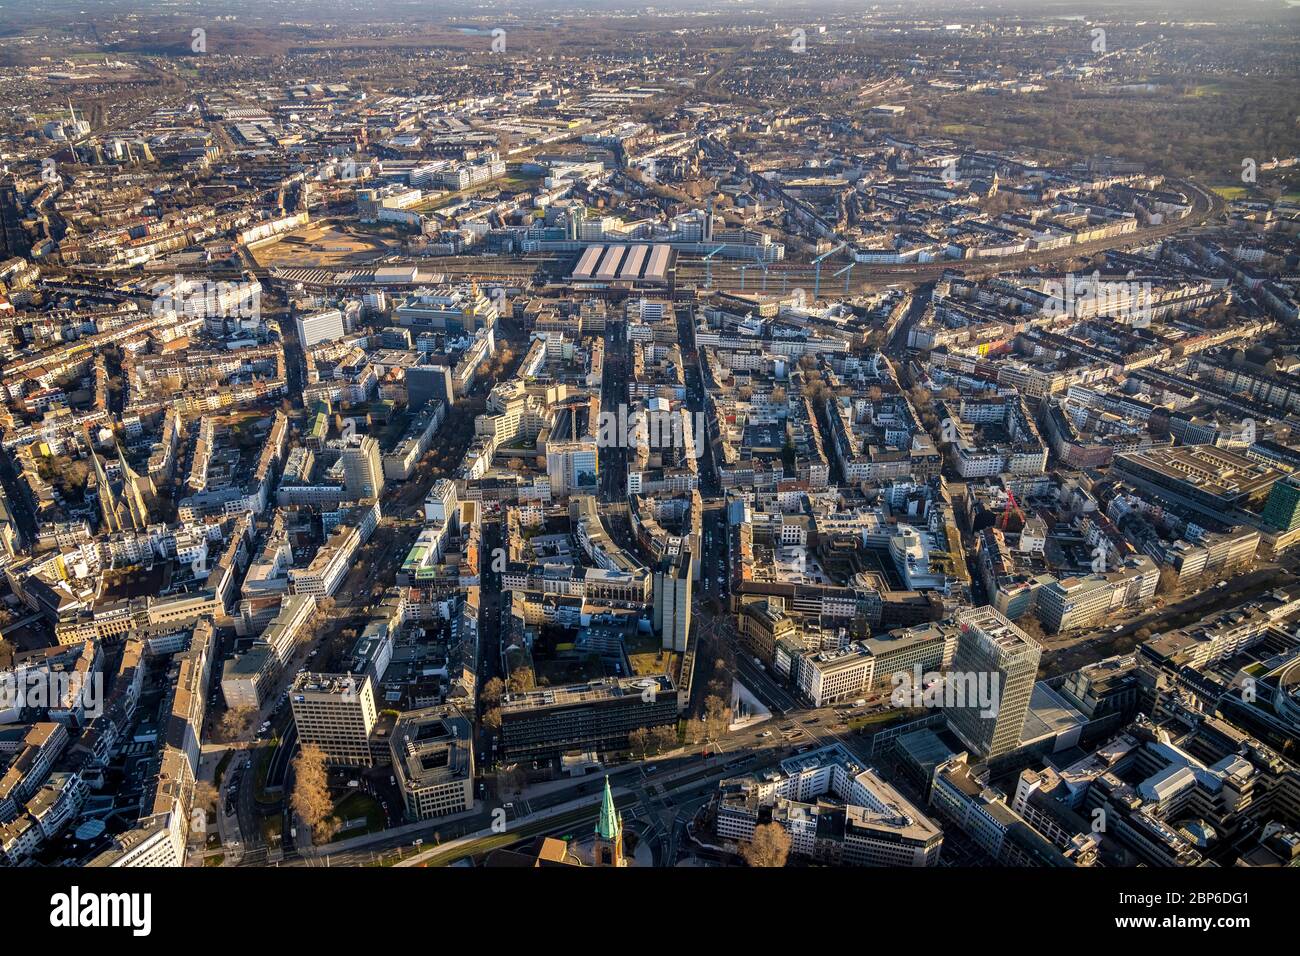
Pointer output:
x,y
335,712
1282,510
440,502
672,607
320,327
572,467
425,383
991,682
363,473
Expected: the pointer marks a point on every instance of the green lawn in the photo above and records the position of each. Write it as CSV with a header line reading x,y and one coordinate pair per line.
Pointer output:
x,y
517,181
356,806
393,857
261,766
646,655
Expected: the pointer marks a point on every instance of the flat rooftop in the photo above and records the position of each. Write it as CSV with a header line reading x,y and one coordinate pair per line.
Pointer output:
x,y
996,628
610,688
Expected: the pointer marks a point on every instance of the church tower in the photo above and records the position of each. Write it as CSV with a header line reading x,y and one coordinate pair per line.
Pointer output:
x,y
608,849
136,509
112,521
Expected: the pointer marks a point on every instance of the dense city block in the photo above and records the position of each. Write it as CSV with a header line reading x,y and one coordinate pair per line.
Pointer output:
x,y
690,435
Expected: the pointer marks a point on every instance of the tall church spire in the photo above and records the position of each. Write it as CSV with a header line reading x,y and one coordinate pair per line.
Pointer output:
x,y
608,826
136,509
107,502
609,833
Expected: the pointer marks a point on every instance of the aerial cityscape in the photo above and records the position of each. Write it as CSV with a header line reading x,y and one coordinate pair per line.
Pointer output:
x,y
689,435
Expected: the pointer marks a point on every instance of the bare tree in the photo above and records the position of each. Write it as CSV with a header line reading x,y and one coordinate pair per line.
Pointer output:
x,y
770,846
639,740
205,793
1032,626
311,794
695,730
1169,580
716,716
522,679
665,737
235,723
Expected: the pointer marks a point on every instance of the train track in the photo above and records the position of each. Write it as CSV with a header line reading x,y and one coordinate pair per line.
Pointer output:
x,y
784,277
732,275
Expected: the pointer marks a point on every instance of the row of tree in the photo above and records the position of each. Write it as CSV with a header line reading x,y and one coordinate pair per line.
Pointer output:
x,y
644,739
311,799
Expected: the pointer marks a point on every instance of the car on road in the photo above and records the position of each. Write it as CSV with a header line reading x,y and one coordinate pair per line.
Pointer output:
x,y
766,733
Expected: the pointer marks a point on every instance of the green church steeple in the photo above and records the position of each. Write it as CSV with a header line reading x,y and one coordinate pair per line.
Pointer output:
x,y
608,825
608,850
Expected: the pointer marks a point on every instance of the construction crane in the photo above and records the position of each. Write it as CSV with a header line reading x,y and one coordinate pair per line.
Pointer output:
x,y
1006,512
817,264
847,272
708,269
